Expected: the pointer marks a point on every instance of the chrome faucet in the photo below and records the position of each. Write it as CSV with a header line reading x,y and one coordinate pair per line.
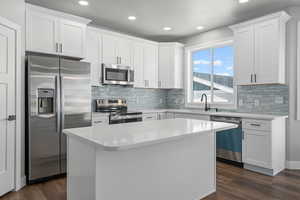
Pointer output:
x,y
206,108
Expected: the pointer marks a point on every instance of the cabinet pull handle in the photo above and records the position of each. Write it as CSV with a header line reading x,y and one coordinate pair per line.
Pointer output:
x,y
258,125
255,78
243,135
251,78
61,48
120,60
56,46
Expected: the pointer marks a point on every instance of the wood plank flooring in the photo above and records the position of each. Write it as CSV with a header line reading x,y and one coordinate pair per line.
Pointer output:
x,y
232,184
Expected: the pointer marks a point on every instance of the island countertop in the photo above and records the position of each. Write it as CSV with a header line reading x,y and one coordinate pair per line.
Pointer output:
x,y
133,135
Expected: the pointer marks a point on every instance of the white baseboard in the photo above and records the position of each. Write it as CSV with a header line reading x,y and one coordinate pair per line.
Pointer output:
x,y
21,184
293,164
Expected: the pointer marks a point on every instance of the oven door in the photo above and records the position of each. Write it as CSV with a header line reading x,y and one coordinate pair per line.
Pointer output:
x,y
116,75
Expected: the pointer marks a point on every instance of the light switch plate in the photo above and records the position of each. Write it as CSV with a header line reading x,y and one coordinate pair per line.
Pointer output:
x,y
279,100
256,102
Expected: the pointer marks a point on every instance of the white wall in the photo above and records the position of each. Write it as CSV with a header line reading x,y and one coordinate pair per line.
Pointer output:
x,y
14,10
210,36
293,133
293,139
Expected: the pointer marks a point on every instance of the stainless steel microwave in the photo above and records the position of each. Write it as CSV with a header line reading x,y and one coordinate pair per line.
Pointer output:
x,y
117,75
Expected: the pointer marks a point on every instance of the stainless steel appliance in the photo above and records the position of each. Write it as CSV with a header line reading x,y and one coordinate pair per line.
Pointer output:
x,y
117,109
117,75
229,142
58,97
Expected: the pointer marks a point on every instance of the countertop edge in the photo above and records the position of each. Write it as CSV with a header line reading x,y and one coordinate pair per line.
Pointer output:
x,y
69,133
233,114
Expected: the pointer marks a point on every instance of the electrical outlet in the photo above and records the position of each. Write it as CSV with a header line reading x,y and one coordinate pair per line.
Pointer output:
x,y
279,100
256,102
161,101
241,102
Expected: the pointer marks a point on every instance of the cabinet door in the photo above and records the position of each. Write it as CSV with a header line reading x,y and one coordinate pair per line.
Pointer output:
x,y
124,51
109,49
150,65
244,55
257,148
94,55
164,67
177,80
72,38
138,65
41,33
267,52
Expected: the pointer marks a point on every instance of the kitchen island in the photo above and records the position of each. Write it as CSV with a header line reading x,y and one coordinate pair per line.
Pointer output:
x,y
172,159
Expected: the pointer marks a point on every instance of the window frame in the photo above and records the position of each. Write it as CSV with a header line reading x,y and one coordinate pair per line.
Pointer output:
x,y
189,74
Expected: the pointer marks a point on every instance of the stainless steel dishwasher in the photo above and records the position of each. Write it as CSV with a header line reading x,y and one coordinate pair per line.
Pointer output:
x,y
229,142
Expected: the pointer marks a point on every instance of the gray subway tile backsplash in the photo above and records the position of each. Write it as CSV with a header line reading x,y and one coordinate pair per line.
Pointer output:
x,y
264,99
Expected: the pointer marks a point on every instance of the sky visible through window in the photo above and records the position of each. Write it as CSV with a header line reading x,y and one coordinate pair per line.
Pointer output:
x,y
215,80
223,61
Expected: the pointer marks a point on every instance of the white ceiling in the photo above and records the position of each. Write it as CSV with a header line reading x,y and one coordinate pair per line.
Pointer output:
x,y
152,15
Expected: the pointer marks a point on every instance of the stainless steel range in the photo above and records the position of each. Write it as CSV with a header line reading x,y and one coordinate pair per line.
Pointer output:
x,y
118,111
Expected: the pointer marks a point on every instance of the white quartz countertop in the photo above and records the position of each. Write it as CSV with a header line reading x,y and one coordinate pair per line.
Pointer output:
x,y
133,135
229,114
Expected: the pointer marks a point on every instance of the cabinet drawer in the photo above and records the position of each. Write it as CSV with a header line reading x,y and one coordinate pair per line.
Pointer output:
x,y
98,122
259,125
100,119
150,116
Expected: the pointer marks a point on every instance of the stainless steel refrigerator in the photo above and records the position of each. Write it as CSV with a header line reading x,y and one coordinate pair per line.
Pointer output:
x,y
58,97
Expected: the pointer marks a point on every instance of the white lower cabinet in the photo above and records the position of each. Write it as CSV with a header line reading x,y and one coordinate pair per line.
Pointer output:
x,y
264,145
256,148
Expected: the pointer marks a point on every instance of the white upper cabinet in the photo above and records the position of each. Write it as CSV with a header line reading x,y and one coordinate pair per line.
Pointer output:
x,y
138,65
116,50
170,67
53,32
150,65
72,38
124,51
109,46
94,55
42,32
260,50
145,63
244,54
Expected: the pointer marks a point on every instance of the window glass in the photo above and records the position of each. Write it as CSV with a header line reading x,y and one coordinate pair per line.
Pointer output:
x,y
202,70
223,75
213,73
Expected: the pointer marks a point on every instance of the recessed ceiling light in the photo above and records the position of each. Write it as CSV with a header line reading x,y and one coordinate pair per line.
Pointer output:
x,y
83,3
132,18
167,28
243,1
200,27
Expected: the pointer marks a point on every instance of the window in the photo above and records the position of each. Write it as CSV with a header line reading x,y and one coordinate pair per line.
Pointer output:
x,y
211,72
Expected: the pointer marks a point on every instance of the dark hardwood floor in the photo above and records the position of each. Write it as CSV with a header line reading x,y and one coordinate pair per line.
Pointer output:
x,y
232,184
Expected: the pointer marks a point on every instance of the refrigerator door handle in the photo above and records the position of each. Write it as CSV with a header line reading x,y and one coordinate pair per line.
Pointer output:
x,y
57,86
62,100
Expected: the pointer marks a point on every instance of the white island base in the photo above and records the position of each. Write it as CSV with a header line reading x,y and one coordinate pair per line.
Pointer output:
x,y
152,167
